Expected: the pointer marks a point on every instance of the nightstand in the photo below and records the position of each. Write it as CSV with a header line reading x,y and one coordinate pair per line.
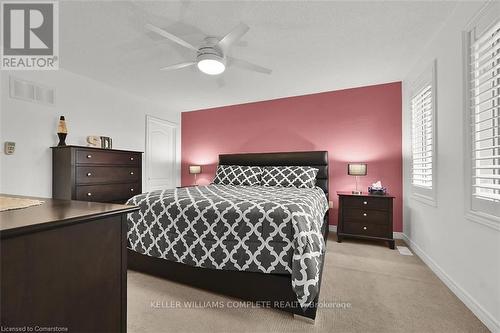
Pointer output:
x,y
365,216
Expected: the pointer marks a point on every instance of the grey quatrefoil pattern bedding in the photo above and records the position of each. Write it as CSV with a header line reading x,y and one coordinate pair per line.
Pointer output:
x,y
245,228
237,175
289,176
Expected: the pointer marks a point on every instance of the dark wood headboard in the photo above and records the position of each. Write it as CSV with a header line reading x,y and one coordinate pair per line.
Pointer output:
x,y
316,159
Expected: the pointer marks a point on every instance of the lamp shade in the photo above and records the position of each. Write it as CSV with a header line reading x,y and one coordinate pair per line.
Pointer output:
x,y
194,169
357,169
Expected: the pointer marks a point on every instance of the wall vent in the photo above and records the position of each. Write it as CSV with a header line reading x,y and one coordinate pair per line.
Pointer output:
x,y
31,92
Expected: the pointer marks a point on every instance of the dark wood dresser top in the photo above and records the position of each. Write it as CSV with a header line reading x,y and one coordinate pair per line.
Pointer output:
x,y
365,194
96,148
54,213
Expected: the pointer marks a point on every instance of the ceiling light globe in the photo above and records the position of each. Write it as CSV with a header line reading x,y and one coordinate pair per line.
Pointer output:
x,y
211,66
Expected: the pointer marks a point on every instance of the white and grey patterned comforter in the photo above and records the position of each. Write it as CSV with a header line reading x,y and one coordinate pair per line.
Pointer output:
x,y
245,228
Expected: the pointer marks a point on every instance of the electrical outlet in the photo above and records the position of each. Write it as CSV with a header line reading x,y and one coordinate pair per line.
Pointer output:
x,y
330,204
9,147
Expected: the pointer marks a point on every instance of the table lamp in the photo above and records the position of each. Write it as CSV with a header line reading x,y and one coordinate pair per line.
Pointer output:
x,y
194,170
356,169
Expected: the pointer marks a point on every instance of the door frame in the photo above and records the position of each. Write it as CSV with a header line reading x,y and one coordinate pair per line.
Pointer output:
x,y
176,170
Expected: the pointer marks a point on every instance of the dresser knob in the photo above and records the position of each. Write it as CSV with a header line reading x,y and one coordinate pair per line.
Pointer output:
x,y
89,174
89,194
364,228
365,202
89,156
131,158
131,190
131,173
364,214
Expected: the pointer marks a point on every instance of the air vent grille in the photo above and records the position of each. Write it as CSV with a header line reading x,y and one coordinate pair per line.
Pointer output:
x,y
31,92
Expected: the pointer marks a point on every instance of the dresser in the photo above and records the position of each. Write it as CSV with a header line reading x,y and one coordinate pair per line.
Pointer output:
x,y
95,174
365,216
63,264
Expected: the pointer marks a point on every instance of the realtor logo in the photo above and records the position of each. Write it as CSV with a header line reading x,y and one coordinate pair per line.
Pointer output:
x,y
29,35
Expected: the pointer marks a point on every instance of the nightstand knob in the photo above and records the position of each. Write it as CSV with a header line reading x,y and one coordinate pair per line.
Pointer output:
x,y
364,214
89,174
131,173
364,228
131,190
89,156
89,194
365,202
131,158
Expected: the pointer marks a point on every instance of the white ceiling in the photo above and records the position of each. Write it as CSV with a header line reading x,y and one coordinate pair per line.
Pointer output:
x,y
310,46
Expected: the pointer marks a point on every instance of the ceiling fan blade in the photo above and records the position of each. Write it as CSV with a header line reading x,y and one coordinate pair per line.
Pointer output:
x,y
233,36
178,66
168,35
249,66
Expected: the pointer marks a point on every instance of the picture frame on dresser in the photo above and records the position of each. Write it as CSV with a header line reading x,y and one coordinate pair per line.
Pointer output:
x,y
95,174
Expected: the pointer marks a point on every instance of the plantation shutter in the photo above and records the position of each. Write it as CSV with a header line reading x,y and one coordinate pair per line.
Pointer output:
x,y
485,116
422,132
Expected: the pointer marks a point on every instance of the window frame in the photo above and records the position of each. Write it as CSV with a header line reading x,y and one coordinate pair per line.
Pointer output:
x,y
427,77
484,20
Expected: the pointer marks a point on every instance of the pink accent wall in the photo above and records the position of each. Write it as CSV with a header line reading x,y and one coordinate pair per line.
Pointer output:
x,y
353,125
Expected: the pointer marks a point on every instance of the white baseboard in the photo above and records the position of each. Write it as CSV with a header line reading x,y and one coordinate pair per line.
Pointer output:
x,y
487,318
395,235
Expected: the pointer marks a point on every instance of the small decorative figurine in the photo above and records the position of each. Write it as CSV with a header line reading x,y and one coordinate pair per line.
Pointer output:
x,y
94,141
62,131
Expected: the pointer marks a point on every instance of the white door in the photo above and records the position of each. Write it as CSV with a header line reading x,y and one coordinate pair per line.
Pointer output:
x,y
161,159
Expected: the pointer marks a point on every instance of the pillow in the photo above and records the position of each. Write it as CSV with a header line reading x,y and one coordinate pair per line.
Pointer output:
x,y
289,176
238,175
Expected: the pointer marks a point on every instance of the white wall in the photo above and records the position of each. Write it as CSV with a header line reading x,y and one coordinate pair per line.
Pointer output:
x,y
464,254
90,108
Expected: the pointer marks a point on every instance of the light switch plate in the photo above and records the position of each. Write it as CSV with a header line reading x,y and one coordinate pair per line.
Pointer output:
x,y
330,204
10,147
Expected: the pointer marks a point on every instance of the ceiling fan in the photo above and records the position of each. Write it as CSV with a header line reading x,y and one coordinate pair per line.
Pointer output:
x,y
212,55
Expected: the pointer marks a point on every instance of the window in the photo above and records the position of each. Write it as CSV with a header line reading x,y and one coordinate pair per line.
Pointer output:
x,y
423,148
483,106
421,113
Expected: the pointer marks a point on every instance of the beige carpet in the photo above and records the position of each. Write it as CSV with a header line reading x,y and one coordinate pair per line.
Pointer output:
x,y
387,292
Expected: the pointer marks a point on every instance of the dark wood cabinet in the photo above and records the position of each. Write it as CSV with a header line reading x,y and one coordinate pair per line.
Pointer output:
x,y
95,174
64,264
365,216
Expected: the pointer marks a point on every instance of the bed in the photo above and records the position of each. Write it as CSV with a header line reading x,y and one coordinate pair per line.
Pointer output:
x,y
271,240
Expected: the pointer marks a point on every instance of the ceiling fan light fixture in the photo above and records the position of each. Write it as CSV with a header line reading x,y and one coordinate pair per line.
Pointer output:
x,y
211,64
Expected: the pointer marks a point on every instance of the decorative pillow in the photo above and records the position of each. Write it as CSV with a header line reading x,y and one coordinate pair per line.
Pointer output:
x,y
238,175
289,176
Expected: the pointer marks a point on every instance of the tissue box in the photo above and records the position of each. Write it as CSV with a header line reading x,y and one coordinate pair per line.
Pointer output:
x,y
379,191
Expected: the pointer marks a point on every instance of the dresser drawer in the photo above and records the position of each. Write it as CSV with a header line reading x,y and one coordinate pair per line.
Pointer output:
x,y
366,202
107,193
104,174
92,156
366,215
366,229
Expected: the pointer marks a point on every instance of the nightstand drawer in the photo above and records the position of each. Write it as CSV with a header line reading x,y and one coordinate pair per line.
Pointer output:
x,y
366,216
366,202
367,229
